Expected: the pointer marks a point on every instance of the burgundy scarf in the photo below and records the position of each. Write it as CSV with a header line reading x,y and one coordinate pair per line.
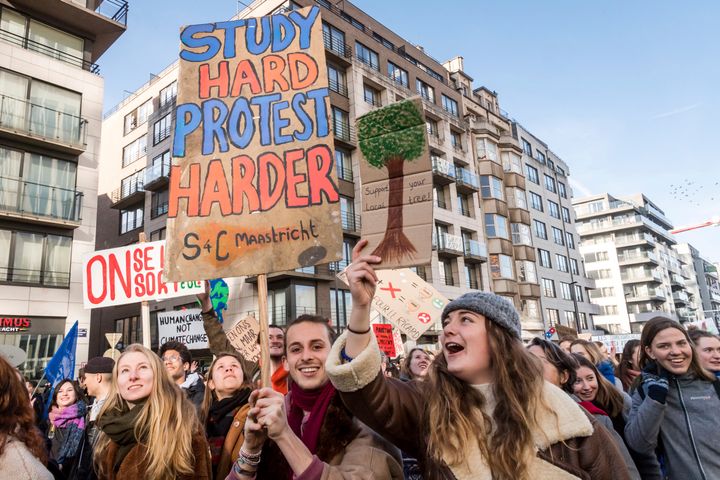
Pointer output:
x,y
314,401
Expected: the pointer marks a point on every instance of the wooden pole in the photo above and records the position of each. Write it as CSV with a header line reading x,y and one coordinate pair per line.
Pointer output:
x,y
265,364
144,313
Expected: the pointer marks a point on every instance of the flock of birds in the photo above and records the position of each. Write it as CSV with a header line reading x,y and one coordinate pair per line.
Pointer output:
x,y
694,192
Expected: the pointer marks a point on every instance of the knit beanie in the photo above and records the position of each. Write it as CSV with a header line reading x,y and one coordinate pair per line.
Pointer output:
x,y
491,306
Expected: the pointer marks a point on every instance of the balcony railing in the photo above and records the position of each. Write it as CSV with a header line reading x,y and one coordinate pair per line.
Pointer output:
x,y
156,172
350,222
336,46
161,134
158,210
473,248
467,178
443,168
448,243
637,257
35,199
128,189
115,10
43,122
344,173
45,278
632,239
28,44
338,87
338,266
680,297
344,132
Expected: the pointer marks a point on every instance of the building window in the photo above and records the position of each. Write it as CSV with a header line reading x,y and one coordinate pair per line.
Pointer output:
x,y
439,194
446,273
562,190
464,205
159,203
565,215
511,162
138,116
548,288
544,257
526,271
540,229
491,187
134,151
367,56
398,75
521,234
550,183
574,267
496,225
341,124
579,293
536,201
471,277
336,80
158,234
517,198
168,94
432,127
334,40
450,105
162,129
552,316
305,301
35,258
456,140
347,214
558,236
426,91
540,157
554,209
371,95
570,240
569,318
501,266
132,183
561,262
486,149
130,219
340,307
530,308
131,329
532,174
565,291
527,148
343,162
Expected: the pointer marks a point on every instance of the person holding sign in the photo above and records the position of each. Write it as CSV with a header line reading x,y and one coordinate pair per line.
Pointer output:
x,y
149,429
309,434
484,412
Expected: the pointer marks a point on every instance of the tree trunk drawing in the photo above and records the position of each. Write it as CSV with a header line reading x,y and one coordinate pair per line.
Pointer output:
x,y
395,245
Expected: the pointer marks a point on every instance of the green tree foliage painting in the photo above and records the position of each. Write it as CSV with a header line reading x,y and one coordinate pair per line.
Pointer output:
x,y
388,138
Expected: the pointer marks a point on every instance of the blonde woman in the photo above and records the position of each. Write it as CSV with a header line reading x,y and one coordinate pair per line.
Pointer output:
x,y
149,429
485,412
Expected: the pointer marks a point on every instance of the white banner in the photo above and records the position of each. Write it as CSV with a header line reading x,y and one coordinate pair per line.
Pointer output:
x,y
131,274
185,326
615,343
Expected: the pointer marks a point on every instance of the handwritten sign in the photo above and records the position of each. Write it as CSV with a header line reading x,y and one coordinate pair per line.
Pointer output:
x,y
397,338
131,274
254,188
397,184
244,337
384,336
185,326
406,300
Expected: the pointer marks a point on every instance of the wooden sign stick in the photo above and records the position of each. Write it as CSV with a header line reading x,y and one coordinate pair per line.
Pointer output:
x,y
144,313
265,364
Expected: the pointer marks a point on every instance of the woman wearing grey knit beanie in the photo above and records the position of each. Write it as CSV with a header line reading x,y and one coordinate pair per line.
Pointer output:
x,y
485,411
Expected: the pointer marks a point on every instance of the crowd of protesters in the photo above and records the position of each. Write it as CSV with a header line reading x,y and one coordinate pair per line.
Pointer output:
x,y
483,406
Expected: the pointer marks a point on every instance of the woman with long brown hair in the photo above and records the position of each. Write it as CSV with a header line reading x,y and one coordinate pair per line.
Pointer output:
x,y
628,369
149,429
675,407
67,425
22,447
416,365
224,410
485,411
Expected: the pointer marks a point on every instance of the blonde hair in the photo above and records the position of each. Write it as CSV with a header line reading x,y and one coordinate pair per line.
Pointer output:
x,y
455,411
593,351
165,424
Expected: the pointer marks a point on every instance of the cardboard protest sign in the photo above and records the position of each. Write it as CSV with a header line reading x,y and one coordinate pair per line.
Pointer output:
x,y
399,347
384,336
397,185
185,326
131,274
253,188
406,300
244,337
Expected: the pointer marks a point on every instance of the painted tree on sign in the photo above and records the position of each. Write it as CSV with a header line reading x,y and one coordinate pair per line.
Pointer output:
x,y
388,138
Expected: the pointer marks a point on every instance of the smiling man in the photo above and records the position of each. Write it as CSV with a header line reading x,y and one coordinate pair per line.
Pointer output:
x,y
313,434
177,359
276,342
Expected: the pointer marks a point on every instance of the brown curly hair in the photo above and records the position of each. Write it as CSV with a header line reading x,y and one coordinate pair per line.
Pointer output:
x,y
17,418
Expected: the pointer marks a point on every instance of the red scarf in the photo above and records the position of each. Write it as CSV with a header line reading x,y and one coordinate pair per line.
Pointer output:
x,y
279,380
314,401
592,408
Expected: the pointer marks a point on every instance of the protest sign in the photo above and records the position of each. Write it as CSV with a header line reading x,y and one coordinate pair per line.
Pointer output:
x,y
385,340
397,184
406,300
244,337
399,347
131,274
253,189
185,326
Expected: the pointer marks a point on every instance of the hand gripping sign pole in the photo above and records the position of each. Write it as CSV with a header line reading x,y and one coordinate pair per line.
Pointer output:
x,y
265,366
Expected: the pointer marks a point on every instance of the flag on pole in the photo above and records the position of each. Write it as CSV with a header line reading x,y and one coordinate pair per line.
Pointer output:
x,y
62,364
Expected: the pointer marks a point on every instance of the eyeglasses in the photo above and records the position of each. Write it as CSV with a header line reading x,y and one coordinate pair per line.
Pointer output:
x,y
171,358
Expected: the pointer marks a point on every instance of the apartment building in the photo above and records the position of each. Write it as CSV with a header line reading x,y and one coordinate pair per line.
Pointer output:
x,y
564,286
703,284
629,253
51,98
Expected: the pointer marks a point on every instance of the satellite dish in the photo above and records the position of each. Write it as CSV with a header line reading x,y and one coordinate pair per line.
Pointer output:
x,y
15,355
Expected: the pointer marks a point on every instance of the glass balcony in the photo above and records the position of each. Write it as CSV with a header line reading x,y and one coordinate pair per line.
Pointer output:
x,y
466,180
474,250
24,42
157,175
30,199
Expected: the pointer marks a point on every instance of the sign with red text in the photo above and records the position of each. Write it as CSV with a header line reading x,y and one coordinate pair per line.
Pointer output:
x,y
253,187
384,335
406,300
131,274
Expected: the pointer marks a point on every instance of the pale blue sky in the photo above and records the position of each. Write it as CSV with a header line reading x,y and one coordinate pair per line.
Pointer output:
x,y
624,92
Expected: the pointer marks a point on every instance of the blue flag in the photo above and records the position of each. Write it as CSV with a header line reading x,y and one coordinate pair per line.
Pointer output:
x,y
62,364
